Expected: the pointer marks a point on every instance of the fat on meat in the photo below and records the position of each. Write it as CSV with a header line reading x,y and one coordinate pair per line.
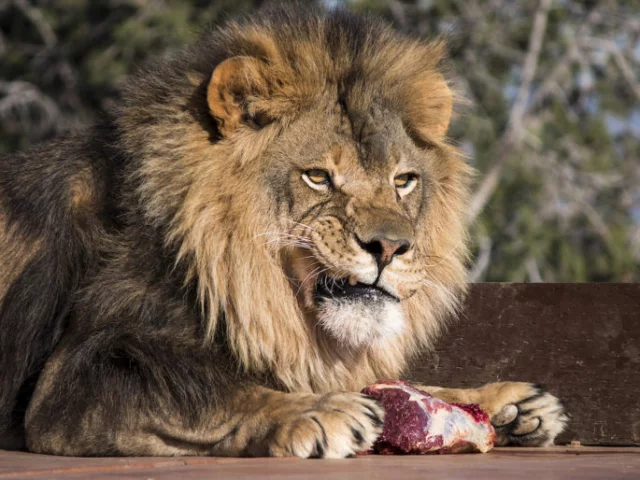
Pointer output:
x,y
418,423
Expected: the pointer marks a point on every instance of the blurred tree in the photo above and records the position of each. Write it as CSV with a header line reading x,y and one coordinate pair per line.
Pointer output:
x,y
552,126
552,121
61,60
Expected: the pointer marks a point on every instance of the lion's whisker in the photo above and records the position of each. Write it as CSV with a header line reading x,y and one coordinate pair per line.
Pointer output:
x,y
314,272
280,235
301,224
440,288
287,239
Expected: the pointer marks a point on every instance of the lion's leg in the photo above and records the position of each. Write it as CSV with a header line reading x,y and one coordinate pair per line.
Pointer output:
x,y
522,413
119,397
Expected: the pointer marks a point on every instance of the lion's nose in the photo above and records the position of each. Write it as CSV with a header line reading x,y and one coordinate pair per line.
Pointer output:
x,y
384,249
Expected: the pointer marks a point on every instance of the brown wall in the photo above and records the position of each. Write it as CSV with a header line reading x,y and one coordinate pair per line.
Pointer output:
x,y
580,340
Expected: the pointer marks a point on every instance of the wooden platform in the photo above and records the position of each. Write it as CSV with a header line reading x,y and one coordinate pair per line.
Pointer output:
x,y
581,340
579,463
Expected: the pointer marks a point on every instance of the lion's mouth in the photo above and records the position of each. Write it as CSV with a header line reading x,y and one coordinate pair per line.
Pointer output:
x,y
340,288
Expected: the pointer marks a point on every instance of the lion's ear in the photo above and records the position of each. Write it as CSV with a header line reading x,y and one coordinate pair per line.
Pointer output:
x,y
232,83
431,111
441,107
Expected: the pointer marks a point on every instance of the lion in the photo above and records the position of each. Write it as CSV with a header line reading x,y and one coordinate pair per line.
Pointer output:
x,y
271,220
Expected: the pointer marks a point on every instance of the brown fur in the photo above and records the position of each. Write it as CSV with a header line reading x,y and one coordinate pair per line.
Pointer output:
x,y
16,253
222,237
195,245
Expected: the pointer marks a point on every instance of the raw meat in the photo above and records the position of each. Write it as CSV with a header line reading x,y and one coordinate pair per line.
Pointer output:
x,y
418,423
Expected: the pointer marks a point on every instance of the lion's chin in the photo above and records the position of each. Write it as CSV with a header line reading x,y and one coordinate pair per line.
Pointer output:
x,y
359,323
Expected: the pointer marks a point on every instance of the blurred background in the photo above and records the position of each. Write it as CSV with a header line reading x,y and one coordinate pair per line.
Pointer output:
x,y
551,119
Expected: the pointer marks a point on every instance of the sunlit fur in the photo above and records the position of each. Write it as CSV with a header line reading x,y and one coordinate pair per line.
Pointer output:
x,y
361,323
218,211
159,271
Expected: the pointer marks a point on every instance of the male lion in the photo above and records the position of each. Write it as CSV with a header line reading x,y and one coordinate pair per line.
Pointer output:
x,y
270,221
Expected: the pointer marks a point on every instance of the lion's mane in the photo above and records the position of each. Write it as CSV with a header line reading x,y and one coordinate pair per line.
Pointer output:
x,y
205,192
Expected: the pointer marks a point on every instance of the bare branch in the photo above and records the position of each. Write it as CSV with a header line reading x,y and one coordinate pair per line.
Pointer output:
x,y
514,125
397,10
34,15
533,271
479,269
20,101
514,130
563,66
621,61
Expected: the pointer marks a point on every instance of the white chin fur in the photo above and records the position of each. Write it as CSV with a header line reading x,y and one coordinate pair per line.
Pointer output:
x,y
358,323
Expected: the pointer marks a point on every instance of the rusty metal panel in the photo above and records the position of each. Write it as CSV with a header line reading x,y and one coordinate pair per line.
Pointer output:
x,y
580,340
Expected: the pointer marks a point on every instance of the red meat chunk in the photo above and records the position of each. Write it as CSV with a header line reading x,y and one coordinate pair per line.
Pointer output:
x,y
418,423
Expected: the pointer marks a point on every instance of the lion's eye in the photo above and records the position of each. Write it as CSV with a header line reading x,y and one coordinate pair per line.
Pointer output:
x,y
405,183
317,177
405,180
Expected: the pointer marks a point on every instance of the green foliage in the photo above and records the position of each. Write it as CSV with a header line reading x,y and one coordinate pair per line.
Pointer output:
x,y
73,53
563,209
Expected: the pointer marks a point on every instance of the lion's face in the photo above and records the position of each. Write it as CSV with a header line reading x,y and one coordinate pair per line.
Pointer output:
x,y
310,190
353,192
364,193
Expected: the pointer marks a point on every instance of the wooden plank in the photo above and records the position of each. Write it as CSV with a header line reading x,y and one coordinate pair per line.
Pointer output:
x,y
582,463
580,340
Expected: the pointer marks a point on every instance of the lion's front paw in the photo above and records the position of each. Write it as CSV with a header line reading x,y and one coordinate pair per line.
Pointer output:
x,y
338,425
525,414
